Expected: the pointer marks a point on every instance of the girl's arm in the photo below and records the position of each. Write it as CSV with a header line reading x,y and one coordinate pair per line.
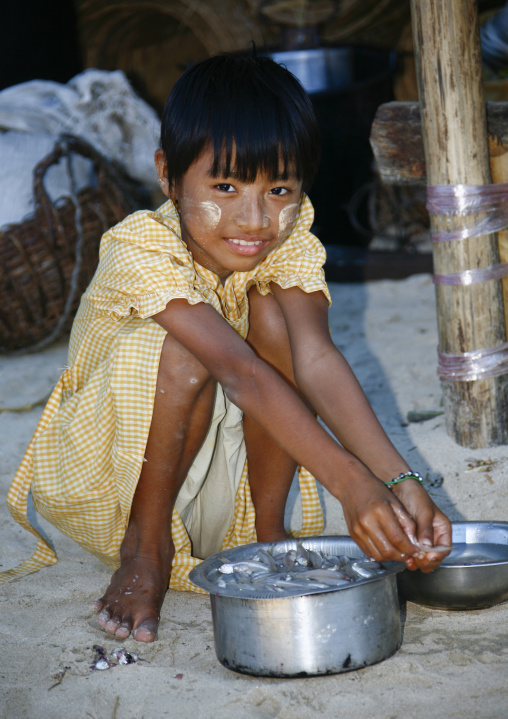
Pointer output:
x,y
257,389
327,381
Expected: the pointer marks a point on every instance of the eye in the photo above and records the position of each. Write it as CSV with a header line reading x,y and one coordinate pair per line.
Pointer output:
x,y
225,187
279,191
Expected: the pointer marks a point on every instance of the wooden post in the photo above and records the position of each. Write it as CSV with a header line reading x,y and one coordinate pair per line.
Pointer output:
x,y
499,171
396,139
449,71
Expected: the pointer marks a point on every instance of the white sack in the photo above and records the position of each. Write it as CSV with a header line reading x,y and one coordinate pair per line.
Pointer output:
x,y
97,106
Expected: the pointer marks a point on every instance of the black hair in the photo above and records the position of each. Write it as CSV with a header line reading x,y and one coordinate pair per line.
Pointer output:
x,y
247,104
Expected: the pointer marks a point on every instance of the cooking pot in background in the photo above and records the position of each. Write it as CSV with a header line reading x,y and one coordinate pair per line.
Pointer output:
x,y
346,84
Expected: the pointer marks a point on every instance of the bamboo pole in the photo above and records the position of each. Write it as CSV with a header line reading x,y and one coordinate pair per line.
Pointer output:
x,y
449,72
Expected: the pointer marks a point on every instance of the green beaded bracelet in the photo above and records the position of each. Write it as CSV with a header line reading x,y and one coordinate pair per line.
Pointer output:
x,y
405,475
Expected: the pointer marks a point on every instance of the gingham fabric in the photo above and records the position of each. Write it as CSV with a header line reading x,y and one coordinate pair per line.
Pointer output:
x,y
85,458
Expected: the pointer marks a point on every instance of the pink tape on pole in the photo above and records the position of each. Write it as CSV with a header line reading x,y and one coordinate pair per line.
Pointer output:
x,y
470,366
463,200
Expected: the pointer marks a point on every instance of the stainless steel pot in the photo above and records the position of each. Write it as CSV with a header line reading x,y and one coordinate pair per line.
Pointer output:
x,y
327,632
473,576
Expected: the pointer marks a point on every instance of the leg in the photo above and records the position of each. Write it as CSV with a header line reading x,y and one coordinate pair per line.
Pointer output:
x,y
271,469
182,412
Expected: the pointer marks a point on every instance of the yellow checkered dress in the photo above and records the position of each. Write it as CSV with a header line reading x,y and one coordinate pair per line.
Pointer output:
x,y
85,458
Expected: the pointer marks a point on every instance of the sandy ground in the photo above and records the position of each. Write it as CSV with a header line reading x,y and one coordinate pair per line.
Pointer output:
x,y
450,664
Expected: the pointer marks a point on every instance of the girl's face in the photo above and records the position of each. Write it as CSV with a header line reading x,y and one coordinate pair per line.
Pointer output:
x,y
228,225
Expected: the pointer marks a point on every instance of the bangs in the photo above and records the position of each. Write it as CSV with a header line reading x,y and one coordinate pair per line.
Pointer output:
x,y
253,129
251,111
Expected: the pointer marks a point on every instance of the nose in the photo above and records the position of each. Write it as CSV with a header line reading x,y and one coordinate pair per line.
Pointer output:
x,y
252,213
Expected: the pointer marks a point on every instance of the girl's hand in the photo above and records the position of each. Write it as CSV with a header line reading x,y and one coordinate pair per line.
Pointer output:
x,y
433,528
377,520
386,528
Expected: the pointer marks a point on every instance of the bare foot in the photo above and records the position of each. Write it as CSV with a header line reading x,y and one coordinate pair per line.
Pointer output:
x,y
133,600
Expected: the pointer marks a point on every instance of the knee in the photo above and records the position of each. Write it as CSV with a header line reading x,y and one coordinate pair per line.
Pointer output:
x,y
179,368
268,334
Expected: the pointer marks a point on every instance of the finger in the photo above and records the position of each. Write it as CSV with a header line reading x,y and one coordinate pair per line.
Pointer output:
x,y
413,563
429,561
365,543
425,530
406,522
424,537
410,563
409,527
426,566
440,537
442,529
403,531
386,538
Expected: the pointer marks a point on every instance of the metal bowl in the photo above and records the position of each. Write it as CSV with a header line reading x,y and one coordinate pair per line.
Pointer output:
x,y
326,632
473,576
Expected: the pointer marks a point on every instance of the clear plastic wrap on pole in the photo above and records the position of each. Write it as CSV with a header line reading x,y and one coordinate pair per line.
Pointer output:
x,y
471,277
470,366
490,203
488,200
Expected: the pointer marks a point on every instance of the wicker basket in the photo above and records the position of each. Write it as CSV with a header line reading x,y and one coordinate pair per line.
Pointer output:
x,y
48,259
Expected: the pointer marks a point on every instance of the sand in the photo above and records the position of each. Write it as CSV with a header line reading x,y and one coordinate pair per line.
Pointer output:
x,y
450,664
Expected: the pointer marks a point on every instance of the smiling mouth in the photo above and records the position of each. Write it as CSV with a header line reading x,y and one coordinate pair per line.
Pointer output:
x,y
245,243
247,248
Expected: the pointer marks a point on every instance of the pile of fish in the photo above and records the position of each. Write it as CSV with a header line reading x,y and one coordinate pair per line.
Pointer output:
x,y
271,571
118,656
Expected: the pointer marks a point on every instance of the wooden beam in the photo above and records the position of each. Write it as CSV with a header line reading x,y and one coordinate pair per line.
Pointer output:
x,y
397,143
449,71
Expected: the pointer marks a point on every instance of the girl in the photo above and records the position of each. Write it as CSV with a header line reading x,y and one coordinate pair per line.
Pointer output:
x,y
197,360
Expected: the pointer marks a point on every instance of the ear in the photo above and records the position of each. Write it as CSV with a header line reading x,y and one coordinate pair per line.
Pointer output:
x,y
162,172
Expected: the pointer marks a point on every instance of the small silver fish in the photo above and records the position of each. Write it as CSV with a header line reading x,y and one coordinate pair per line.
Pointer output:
x,y
363,571
316,559
266,558
125,657
426,549
326,576
246,565
102,664
101,661
290,559
301,569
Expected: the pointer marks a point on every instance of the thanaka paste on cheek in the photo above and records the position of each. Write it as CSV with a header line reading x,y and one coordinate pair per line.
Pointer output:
x,y
286,218
212,213
208,213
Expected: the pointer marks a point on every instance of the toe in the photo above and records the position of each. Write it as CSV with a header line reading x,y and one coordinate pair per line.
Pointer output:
x,y
124,630
112,625
146,631
96,606
103,618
